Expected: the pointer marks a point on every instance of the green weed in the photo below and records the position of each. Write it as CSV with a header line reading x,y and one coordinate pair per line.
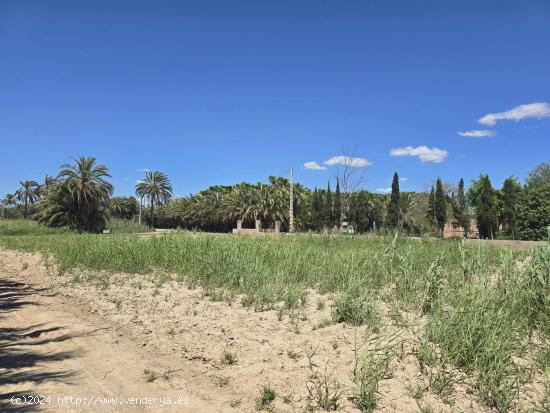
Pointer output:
x,y
266,398
228,358
324,392
372,368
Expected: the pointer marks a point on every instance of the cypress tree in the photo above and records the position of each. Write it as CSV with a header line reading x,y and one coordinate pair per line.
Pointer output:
x,y
487,210
359,203
460,208
337,204
317,206
393,207
327,208
430,212
484,199
440,205
511,190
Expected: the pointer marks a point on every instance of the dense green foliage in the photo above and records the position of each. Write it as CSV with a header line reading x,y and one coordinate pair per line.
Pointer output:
x,y
511,212
123,207
533,210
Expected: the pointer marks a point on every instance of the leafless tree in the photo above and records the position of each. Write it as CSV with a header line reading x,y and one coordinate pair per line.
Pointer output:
x,y
351,174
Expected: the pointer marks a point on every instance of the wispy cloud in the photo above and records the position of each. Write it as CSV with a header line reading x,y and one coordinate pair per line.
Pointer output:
x,y
401,179
348,161
384,190
313,166
477,133
425,154
143,170
537,110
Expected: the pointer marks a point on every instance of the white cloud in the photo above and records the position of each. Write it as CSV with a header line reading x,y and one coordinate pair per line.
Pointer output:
x,y
532,110
349,161
313,166
143,170
401,179
384,190
423,152
477,133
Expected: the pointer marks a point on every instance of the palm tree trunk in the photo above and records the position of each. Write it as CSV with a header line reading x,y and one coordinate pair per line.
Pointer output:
x,y
151,224
26,208
140,208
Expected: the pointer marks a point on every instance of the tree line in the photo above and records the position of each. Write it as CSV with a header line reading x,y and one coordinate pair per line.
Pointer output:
x,y
81,197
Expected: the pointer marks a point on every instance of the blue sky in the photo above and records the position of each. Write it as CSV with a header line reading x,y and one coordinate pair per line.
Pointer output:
x,y
219,92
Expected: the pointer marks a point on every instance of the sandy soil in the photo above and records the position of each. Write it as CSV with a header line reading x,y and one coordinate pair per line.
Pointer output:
x,y
65,337
515,245
512,244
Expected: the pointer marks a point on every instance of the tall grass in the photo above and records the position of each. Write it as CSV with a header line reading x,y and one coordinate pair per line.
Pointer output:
x,y
20,227
488,326
124,226
265,268
487,309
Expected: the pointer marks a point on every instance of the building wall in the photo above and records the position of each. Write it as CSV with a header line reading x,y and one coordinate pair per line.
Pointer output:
x,y
454,230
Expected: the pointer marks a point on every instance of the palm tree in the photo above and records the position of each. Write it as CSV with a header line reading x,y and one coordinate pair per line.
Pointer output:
x,y
206,210
156,188
49,183
89,191
240,202
264,202
406,206
8,201
28,194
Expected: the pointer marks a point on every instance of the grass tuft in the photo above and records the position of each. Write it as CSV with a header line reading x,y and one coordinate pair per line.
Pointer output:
x,y
228,358
266,398
356,310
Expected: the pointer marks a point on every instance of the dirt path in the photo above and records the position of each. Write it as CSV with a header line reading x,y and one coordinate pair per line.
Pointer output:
x,y
50,347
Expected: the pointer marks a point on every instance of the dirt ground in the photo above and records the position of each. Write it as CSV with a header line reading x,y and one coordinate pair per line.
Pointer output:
x,y
508,243
515,245
122,336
